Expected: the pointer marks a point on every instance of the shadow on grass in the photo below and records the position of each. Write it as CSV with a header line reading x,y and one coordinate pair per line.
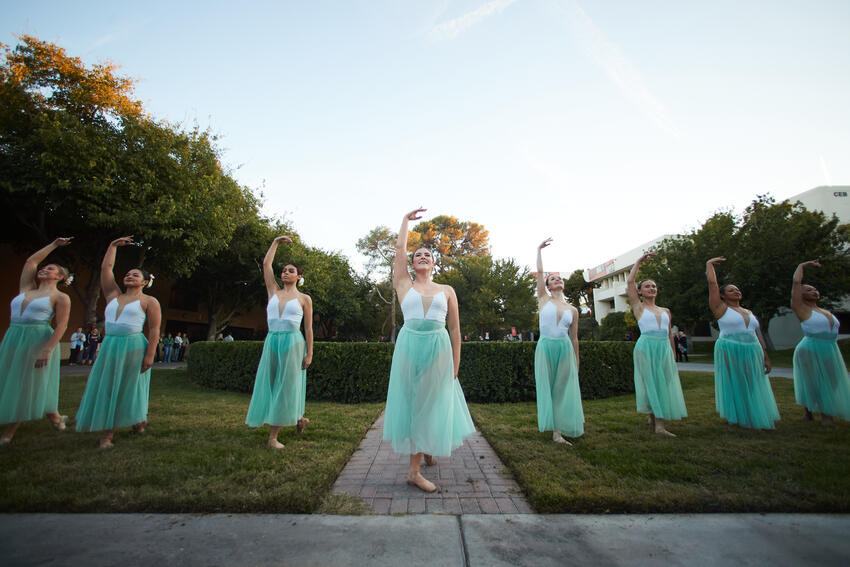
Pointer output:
x,y
197,455
618,466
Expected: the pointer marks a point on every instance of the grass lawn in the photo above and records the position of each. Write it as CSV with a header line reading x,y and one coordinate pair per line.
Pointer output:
x,y
703,351
197,455
619,466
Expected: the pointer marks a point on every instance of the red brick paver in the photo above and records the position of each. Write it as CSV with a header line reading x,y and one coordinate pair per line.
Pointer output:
x,y
472,481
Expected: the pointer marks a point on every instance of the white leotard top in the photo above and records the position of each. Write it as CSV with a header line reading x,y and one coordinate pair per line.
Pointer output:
x,y
289,319
412,308
550,327
37,311
130,320
818,323
649,322
733,323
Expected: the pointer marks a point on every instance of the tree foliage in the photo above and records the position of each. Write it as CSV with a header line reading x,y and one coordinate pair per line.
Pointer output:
x,y
493,295
578,291
617,326
79,157
449,239
763,248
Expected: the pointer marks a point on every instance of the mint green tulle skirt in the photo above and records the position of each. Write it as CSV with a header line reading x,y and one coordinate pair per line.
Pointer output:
x,y
426,410
657,387
280,387
742,392
27,392
558,393
820,376
117,390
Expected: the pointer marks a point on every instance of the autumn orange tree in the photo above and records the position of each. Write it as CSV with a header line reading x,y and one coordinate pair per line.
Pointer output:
x,y
449,239
80,157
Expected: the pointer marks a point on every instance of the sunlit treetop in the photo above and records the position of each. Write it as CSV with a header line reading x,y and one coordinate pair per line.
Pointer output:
x,y
57,81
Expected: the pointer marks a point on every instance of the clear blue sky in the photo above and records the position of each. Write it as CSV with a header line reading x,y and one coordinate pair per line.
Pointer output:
x,y
602,124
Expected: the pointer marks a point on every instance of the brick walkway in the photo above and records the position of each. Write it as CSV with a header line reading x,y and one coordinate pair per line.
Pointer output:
x,y
472,481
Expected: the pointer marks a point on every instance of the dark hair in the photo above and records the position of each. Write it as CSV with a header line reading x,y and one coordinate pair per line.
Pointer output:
x,y
722,288
146,275
643,281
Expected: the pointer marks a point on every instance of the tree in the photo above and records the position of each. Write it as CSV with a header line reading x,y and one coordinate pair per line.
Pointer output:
x,y
230,281
578,291
449,239
79,157
679,269
379,248
493,296
772,240
617,325
762,248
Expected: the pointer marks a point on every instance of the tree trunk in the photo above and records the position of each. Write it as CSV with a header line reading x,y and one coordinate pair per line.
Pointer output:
x,y
91,298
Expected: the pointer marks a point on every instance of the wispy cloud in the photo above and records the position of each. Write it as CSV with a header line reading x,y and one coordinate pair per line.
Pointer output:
x,y
619,69
453,28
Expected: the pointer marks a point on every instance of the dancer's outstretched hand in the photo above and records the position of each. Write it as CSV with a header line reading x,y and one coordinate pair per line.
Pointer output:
x,y
284,238
414,215
63,241
123,241
544,244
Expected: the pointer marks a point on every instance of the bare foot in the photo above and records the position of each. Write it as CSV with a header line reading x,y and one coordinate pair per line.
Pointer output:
x,y
105,444
302,423
430,460
275,444
662,431
140,427
808,416
421,483
59,424
5,440
558,438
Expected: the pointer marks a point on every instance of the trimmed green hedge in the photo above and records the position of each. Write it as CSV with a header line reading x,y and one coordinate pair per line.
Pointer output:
x,y
359,372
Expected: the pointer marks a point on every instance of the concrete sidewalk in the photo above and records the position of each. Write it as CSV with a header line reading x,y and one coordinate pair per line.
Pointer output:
x,y
129,540
708,367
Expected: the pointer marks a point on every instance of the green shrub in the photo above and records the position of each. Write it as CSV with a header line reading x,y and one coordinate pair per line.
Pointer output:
x,y
616,325
359,372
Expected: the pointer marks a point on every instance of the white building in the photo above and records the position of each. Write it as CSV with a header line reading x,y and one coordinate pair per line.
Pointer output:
x,y
611,276
784,329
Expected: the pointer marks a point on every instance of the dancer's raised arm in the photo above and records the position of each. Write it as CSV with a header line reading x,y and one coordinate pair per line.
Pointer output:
x,y
717,305
268,261
541,278
799,306
631,285
401,279
107,277
31,265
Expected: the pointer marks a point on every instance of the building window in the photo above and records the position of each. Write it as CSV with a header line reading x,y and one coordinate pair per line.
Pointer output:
x,y
840,194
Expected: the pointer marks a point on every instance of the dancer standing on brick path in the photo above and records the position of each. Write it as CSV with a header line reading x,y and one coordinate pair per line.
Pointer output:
x,y
556,359
658,390
742,393
29,359
426,410
118,386
280,387
820,375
